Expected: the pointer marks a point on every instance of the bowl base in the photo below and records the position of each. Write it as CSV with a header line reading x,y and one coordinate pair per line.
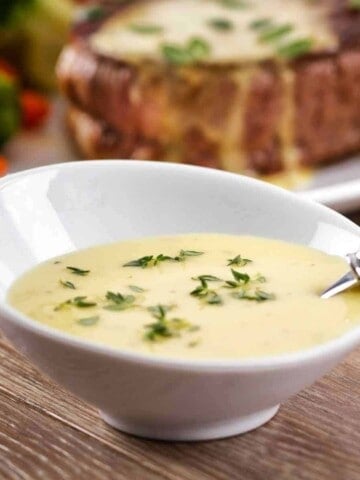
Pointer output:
x,y
209,431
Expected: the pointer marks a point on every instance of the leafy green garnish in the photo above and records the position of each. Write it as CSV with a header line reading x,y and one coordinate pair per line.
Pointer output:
x,y
207,278
221,24
152,261
136,289
78,271
273,33
295,48
88,321
194,50
257,296
142,262
234,3
79,302
146,28
240,279
260,23
165,328
204,293
67,284
119,302
238,261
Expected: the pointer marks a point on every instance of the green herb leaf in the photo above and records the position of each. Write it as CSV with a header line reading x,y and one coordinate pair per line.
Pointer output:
x,y
119,302
136,289
67,284
238,261
240,277
296,48
213,298
146,28
198,49
261,23
257,296
236,4
162,258
89,321
275,32
81,302
207,278
221,24
142,262
160,311
78,271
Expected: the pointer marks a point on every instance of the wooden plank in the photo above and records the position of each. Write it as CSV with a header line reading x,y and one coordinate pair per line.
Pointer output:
x,y
316,435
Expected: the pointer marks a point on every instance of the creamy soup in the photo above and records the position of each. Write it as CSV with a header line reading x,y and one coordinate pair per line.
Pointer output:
x,y
194,296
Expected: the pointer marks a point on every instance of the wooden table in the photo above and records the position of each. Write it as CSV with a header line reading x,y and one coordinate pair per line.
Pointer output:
x,y
46,433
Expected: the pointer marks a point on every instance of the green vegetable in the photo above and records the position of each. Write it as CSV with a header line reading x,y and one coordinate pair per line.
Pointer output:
x,y
257,296
119,302
152,261
260,23
136,289
79,302
204,293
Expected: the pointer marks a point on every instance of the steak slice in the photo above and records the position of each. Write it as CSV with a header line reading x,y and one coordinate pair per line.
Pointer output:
x,y
259,116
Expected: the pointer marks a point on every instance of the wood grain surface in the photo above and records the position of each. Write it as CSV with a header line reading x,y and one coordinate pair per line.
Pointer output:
x,y
46,433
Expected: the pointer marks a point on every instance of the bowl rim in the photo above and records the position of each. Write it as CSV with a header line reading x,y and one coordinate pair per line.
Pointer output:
x,y
343,343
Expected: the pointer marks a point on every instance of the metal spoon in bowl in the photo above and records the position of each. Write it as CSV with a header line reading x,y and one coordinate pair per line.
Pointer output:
x,y
349,280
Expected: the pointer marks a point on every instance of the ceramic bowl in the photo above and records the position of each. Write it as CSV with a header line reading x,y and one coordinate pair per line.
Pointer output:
x,y
54,210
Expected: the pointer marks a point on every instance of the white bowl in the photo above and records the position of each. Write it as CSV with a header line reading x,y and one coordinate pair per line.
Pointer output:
x,y
53,210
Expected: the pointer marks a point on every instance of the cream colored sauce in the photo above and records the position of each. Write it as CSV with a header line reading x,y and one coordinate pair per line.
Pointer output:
x,y
183,19
295,319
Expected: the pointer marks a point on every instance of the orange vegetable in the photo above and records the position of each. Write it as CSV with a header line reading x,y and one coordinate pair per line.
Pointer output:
x,y
34,108
4,166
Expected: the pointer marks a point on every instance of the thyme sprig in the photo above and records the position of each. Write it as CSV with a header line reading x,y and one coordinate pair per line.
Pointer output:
x,y
203,292
153,260
67,284
165,328
79,302
78,271
118,302
238,261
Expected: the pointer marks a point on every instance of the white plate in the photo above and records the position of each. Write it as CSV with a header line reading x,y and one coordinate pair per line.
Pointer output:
x,y
337,186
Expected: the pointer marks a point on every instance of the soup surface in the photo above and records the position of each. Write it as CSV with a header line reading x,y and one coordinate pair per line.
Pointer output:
x,y
194,296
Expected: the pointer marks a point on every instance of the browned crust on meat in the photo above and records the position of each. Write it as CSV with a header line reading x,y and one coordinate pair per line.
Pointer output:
x,y
187,115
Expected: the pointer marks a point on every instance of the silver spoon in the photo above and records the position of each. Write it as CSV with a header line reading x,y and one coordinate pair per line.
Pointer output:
x,y
349,280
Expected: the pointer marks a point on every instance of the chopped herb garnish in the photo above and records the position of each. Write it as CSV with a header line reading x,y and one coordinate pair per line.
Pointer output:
x,y
79,302
204,293
257,296
57,262
152,260
119,302
165,328
239,261
146,28
221,24
136,289
194,343
142,262
78,271
207,278
234,3
88,321
67,284
296,48
275,32
261,23
196,49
